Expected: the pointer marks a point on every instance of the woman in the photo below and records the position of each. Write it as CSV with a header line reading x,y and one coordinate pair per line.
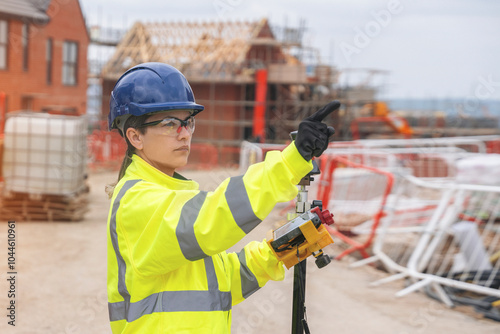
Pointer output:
x,y
168,271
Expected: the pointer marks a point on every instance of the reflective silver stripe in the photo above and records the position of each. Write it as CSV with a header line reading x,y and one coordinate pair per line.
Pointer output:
x,y
176,301
122,267
212,283
133,311
239,204
185,228
171,301
249,283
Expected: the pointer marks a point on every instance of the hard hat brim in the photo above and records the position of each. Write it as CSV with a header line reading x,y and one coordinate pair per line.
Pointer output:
x,y
143,109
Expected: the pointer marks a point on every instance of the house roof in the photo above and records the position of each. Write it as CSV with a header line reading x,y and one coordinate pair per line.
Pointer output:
x,y
41,4
214,50
30,9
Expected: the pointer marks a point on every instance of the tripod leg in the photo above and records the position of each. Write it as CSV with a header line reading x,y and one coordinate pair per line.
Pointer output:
x,y
299,292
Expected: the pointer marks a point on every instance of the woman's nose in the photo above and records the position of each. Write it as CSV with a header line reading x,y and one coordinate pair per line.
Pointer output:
x,y
184,132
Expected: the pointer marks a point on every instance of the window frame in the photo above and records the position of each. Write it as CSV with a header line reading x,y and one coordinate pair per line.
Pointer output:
x,y
25,37
69,66
5,45
49,60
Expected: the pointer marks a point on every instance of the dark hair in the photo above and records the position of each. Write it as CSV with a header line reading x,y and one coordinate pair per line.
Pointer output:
x,y
132,122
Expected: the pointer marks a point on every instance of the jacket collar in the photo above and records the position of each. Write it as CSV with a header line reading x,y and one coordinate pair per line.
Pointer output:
x,y
140,169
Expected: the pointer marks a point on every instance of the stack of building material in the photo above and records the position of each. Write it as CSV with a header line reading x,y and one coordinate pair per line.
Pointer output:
x,y
44,168
26,207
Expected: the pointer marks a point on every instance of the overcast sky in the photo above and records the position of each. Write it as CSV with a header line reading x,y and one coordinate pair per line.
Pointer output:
x,y
431,49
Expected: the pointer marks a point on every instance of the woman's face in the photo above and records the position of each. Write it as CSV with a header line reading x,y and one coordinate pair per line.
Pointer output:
x,y
160,148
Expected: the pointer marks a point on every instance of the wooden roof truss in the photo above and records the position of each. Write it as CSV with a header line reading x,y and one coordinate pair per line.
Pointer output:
x,y
202,51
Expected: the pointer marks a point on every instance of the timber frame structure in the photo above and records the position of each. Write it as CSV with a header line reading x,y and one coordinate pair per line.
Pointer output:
x,y
254,86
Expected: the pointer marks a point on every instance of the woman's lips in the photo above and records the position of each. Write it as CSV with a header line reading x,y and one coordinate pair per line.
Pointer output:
x,y
183,148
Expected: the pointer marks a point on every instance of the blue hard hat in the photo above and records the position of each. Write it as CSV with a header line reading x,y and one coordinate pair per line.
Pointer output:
x,y
148,88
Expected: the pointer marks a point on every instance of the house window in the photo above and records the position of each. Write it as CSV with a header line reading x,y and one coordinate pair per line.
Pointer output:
x,y
3,44
70,52
25,45
48,57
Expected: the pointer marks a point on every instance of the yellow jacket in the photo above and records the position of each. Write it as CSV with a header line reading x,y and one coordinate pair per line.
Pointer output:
x,y
168,271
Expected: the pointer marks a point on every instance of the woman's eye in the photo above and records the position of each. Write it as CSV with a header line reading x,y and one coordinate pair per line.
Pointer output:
x,y
168,124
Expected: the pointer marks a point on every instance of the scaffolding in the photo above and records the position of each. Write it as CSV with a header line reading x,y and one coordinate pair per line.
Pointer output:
x,y
256,80
222,62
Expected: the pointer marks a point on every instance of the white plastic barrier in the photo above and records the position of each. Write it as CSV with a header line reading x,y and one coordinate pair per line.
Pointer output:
x,y
474,144
457,245
436,233
429,162
251,153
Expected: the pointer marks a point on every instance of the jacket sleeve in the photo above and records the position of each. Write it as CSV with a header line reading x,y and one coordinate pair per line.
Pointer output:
x,y
252,268
160,229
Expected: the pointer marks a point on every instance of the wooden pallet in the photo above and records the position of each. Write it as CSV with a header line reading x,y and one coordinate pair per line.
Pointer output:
x,y
30,207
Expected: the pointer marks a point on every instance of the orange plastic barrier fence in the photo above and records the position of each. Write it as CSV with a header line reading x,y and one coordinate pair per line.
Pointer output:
x,y
493,146
106,150
354,188
203,156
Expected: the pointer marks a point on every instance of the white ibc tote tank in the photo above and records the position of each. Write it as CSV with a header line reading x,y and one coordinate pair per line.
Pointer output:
x,y
44,153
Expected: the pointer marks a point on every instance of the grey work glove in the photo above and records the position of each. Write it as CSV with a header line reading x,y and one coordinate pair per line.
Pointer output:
x,y
313,135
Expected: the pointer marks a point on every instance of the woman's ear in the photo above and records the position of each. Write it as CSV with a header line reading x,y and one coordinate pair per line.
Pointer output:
x,y
135,138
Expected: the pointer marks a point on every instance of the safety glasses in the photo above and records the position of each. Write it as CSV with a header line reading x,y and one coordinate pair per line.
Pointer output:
x,y
172,126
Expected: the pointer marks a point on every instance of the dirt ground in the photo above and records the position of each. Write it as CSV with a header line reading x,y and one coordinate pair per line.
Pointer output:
x,y
61,284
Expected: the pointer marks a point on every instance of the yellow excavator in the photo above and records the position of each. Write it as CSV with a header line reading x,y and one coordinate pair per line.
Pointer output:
x,y
377,121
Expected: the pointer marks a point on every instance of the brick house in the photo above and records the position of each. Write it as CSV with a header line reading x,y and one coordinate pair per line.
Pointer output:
x,y
251,84
43,56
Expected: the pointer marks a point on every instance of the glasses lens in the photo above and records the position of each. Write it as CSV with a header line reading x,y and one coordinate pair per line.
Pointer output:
x,y
172,126
169,126
190,124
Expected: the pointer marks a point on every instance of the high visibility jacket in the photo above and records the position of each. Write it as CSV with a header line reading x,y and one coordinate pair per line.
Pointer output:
x,y
168,271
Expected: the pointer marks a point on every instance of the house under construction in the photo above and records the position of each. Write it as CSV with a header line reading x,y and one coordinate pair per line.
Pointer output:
x,y
254,85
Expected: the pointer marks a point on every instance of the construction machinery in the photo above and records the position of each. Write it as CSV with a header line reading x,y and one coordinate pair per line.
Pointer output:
x,y
378,122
